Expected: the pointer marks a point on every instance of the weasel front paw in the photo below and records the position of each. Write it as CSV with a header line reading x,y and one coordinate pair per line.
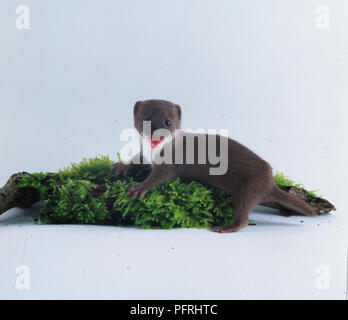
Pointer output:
x,y
119,168
138,189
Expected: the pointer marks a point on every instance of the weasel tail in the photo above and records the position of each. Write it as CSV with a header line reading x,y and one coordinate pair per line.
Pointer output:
x,y
291,202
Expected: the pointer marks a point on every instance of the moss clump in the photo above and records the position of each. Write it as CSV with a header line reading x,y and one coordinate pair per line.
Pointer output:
x,y
88,193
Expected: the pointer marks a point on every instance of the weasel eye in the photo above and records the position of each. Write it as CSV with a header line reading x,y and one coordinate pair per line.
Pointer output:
x,y
167,123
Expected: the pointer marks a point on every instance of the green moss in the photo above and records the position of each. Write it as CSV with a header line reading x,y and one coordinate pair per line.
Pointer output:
x,y
73,203
88,193
95,169
39,181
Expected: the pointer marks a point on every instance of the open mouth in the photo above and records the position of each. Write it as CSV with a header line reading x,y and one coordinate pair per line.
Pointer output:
x,y
155,143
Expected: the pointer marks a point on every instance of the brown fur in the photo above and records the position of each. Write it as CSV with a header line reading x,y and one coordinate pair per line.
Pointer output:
x,y
249,178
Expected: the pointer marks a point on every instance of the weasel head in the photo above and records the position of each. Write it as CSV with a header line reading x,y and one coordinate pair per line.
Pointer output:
x,y
161,114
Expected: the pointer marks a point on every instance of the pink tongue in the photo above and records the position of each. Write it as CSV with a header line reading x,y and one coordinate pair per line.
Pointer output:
x,y
155,143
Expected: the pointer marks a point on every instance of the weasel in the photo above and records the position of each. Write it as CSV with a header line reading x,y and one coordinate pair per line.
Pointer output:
x,y
248,178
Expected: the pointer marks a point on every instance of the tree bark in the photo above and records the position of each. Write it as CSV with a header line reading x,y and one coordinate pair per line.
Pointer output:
x,y
319,204
11,197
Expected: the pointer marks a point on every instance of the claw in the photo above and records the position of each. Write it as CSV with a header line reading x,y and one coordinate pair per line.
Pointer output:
x,y
216,229
226,229
137,190
119,169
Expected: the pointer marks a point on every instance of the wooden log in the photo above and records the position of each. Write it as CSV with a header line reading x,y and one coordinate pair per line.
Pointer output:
x,y
11,196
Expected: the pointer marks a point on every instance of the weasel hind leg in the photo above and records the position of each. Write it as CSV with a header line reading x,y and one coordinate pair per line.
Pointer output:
x,y
242,209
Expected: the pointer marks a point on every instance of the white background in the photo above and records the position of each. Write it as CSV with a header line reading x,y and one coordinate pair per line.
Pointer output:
x,y
260,68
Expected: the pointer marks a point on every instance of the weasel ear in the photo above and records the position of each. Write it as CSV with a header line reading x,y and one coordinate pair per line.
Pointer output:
x,y
137,106
178,110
